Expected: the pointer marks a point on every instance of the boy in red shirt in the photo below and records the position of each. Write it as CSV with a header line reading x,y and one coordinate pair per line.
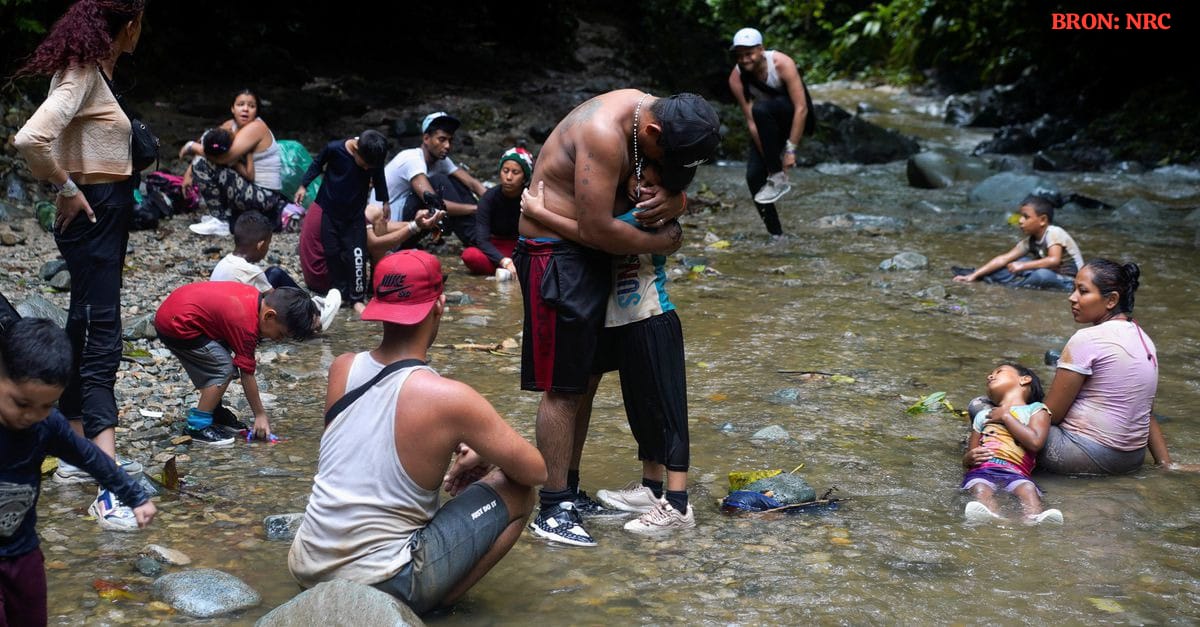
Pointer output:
x,y
213,328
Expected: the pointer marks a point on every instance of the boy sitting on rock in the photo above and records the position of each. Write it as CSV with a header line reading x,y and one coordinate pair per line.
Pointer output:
x,y
203,323
1045,258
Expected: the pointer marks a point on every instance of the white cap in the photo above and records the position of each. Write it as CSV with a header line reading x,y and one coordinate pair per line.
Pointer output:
x,y
747,37
451,121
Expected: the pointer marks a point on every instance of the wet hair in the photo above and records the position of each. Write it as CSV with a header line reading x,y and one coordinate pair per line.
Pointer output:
x,y
1034,394
1041,206
372,147
295,308
82,36
216,142
35,349
248,92
251,228
1110,277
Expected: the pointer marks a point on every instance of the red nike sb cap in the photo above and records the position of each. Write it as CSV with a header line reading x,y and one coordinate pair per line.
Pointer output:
x,y
407,284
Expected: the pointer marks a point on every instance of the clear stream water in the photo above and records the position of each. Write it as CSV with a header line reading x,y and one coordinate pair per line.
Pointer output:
x,y
897,551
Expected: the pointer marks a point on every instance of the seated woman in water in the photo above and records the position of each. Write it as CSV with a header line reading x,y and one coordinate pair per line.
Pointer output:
x,y
228,193
1102,397
496,217
1002,451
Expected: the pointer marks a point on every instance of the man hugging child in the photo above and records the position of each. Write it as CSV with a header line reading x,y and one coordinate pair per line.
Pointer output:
x,y
1008,430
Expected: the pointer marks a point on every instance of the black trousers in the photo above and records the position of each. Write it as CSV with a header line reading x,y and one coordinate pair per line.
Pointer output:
x,y
773,118
450,189
95,255
346,255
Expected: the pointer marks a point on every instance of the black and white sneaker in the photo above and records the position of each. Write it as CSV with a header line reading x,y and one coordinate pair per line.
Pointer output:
x,y
561,523
589,508
210,436
224,417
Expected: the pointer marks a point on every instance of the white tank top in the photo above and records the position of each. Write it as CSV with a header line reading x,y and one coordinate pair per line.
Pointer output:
x,y
364,506
268,167
773,81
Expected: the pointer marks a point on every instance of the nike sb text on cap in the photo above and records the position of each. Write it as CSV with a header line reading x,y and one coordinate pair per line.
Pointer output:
x,y
407,284
691,133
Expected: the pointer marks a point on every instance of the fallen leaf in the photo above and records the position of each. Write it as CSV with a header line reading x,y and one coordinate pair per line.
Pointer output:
x,y
841,541
170,475
49,464
716,398
841,378
1106,605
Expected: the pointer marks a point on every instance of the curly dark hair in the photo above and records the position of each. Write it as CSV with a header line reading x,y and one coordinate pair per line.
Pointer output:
x,y
83,35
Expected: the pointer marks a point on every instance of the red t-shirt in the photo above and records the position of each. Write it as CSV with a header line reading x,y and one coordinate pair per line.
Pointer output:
x,y
219,310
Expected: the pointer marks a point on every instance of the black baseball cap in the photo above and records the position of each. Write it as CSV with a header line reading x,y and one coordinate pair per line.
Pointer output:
x,y
691,133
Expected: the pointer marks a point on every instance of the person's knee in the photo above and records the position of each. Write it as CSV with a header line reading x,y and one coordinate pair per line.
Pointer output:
x,y
519,499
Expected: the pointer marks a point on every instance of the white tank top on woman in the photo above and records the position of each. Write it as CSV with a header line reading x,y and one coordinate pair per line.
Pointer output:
x,y
364,506
268,165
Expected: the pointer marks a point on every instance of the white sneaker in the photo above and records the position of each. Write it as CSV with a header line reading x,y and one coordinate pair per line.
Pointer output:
x,y
977,513
664,517
776,186
634,497
112,514
329,307
68,473
1050,516
208,225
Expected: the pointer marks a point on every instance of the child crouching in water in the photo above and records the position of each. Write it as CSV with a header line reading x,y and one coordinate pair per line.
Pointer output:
x,y
35,363
1002,451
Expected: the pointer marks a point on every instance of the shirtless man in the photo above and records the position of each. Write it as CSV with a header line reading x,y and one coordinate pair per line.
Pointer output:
x,y
768,87
581,171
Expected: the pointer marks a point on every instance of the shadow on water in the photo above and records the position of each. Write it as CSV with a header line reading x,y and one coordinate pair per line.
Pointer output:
x,y
898,551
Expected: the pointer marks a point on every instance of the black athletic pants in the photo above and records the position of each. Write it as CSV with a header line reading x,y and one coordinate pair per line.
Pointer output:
x,y
773,118
346,255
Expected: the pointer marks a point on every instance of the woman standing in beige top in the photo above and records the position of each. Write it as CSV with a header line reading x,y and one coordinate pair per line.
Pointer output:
x,y
79,141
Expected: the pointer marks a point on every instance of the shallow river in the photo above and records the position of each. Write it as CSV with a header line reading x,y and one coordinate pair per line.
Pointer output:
x,y
897,551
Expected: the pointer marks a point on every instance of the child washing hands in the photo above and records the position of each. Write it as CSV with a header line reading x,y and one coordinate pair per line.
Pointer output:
x,y
1002,451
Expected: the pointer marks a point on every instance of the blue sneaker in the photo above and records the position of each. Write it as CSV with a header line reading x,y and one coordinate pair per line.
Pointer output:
x,y
562,524
112,514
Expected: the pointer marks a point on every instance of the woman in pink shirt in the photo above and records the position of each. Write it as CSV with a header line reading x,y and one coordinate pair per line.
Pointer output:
x,y
1102,397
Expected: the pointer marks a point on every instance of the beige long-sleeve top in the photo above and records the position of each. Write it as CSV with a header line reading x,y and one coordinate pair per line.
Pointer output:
x,y
79,129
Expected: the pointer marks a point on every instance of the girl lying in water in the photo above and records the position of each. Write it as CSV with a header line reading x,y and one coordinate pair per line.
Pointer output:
x,y
1002,451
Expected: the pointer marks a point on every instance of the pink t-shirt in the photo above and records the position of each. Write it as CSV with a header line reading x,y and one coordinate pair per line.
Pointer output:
x,y
1113,406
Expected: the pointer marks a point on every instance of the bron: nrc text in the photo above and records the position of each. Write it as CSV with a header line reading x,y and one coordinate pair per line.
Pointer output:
x,y
1110,21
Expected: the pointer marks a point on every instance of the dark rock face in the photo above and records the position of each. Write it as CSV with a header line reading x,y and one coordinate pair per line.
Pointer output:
x,y
846,138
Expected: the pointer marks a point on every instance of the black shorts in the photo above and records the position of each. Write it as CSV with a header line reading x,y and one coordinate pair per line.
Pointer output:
x,y
649,355
564,287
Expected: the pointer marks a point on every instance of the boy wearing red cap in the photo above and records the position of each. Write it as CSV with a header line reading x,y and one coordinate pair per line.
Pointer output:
x,y
392,425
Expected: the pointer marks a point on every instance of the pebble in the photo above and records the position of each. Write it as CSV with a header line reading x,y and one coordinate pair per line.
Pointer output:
x,y
165,555
148,566
773,432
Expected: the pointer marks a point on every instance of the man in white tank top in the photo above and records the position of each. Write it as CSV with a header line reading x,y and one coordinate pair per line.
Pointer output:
x,y
768,87
374,516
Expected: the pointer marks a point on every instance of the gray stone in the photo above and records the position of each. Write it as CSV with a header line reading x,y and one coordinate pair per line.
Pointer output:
x,y
61,281
282,526
773,432
942,167
785,396
907,260
139,328
148,566
165,555
458,298
341,602
1007,189
933,292
206,592
475,321
51,268
36,306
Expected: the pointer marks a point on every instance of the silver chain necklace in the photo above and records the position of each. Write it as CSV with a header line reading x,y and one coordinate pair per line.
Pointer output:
x,y
637,161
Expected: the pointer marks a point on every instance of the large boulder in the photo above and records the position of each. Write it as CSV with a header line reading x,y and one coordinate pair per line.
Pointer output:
x,y
341,602
1007,189
841,136
36,306
205,593
942,167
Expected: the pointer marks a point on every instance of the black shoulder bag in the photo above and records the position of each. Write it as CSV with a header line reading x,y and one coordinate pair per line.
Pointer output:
x,y
353,395
143,144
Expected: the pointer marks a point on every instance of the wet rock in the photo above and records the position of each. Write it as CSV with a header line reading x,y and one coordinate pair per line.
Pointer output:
x,y
51,268
141,327
727,427
785,396
1051,357
865,107
941,168
933,292
205,592
1008,140
10,238
475,321
1070,158
843,137
36,306
907,260
1079,201
331,602
61,281
1007,189
167,556
840,221
771,433
148,566
458,298
282,526
149,486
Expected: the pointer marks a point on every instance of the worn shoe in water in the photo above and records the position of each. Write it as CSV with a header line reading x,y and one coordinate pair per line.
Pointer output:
x,y
224,417
634,497
562,524
977,513
68,473
662,518
112,514
210,436
776,186
589,508
1048,517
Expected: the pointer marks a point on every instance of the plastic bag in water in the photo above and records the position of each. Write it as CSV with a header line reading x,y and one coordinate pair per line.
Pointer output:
x,y
787,489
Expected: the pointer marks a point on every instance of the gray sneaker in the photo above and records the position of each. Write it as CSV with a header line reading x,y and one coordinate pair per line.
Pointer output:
x,y
776,186
634,497
69,473
661,519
